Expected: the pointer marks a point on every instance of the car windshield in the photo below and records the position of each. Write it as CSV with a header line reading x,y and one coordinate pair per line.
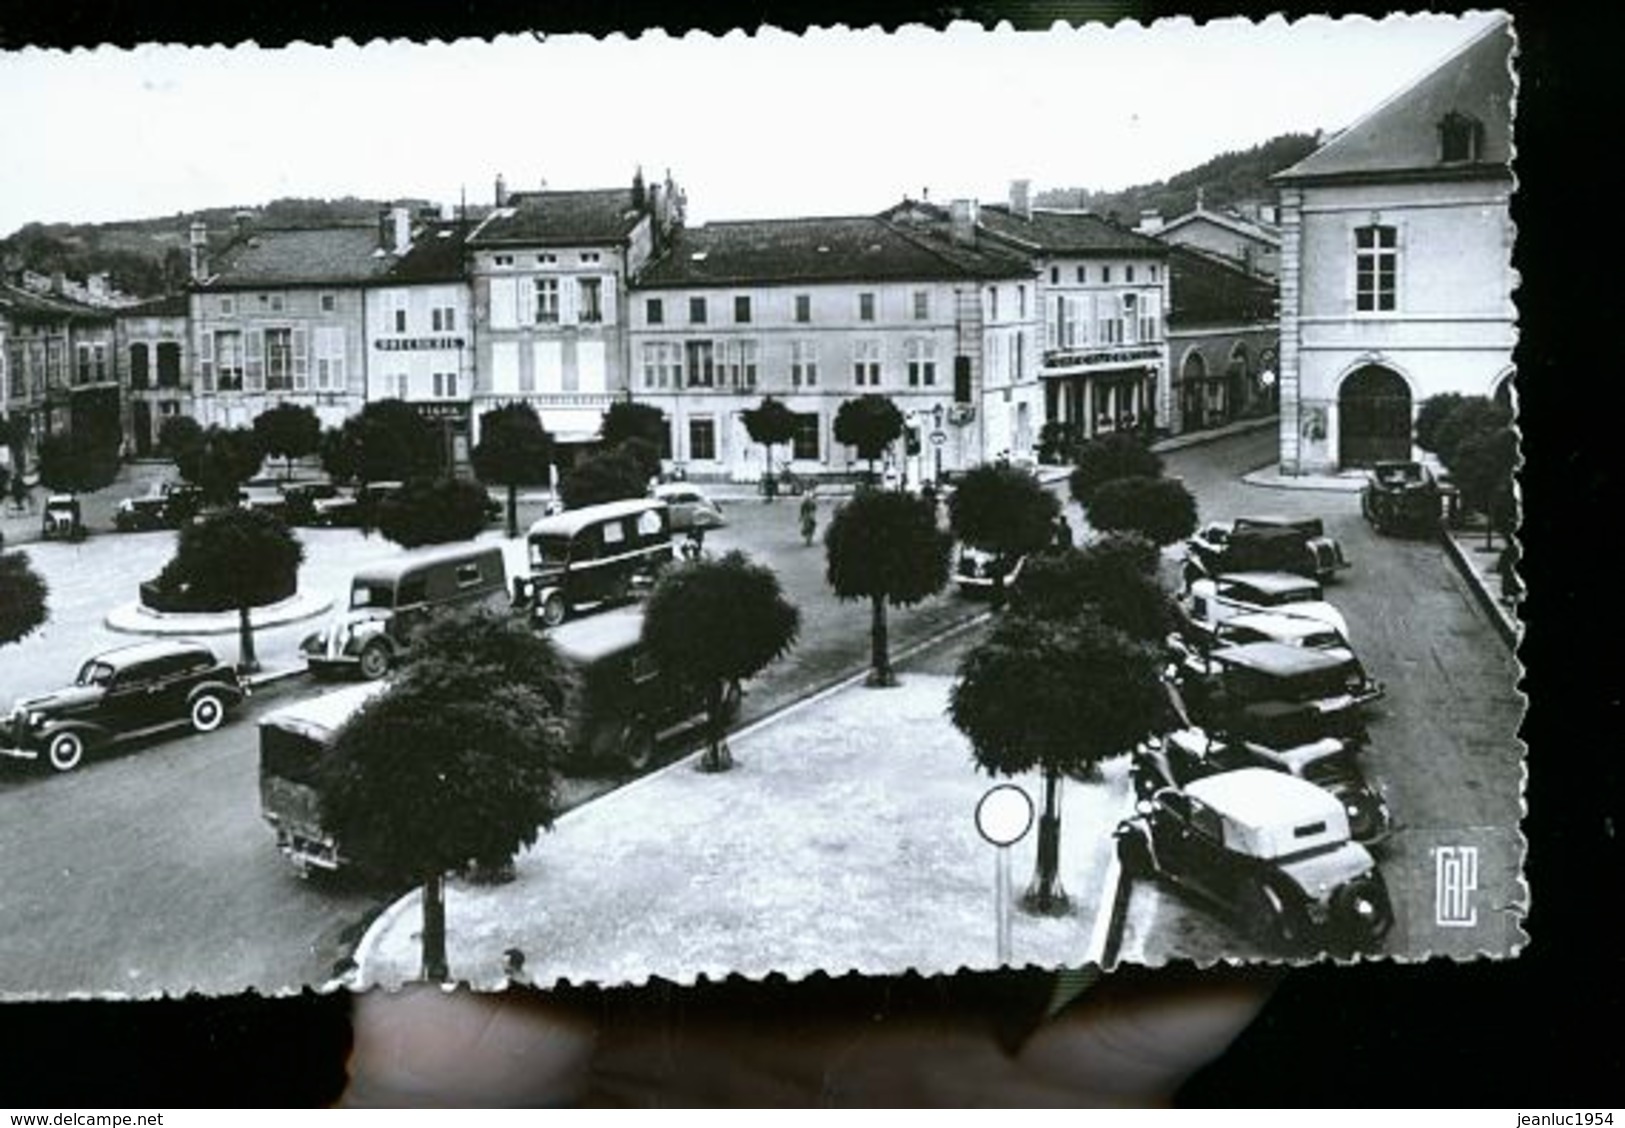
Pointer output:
x,y
365,595
94,673
1298,593
549,549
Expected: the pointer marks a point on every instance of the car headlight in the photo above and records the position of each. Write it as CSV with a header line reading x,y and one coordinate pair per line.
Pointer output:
x,y
36,719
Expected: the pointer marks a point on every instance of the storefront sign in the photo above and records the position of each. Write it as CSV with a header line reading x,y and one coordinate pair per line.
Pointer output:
x,y
453,411
416,344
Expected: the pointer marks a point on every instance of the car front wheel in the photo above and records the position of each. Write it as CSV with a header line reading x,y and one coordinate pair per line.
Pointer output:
x,y
66,751
553,610
374,662
1275,922
208,711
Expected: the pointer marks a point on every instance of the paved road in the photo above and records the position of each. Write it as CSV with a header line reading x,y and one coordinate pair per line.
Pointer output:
x,y
1443,743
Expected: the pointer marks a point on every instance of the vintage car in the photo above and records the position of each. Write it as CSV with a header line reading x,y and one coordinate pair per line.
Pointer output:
x,y
122,694
356,510
1401,497
1275,693
977,571
1216,599
264,495
596,556
1268,848
1260,626
61,519
301,498
690,507
1185,755
166,505
1264,544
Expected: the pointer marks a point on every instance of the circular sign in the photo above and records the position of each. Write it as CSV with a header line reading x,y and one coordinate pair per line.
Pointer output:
x,y
1004,815
938,438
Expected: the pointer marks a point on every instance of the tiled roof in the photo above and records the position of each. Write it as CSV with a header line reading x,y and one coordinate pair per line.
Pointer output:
x,y
436,255
170,305
1401,136
20,304
315,256
826,249
1065,232
598,216
1204,290
1250,228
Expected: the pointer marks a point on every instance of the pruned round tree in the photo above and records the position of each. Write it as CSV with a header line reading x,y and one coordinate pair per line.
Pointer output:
x,y
1161,510
869,424
1003,510
77,462
220,461
885,546
627,419
1058,697
24,598
386,441
177,434
643,454
288,431
455,765
1112,580
608,476
1431,414
1120,454
1485,465
514,450
242,558
433,511
770,423
713,623
1473,415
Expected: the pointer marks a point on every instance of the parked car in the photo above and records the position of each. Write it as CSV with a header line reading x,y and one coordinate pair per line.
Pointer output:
x,y
595,556
1185,755
1213,600
1261,626
355,510
119,695
1401,497
61,519
302,498
976,571
1277,694
1264,544
691,508
264,495
387,600
166,505
1269,849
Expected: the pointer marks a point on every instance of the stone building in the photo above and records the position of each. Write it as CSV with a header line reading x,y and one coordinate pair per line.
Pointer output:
x,y
817,311
1397,276
1250,242
1223,341
57,368
154,369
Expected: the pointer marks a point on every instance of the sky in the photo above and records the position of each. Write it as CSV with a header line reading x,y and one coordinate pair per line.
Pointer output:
x,y
828,123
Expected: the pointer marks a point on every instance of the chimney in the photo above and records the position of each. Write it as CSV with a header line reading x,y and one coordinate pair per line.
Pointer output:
x,y
239,223
640,196
1150,221
962,222
198,244
501,192
1021,201
400,220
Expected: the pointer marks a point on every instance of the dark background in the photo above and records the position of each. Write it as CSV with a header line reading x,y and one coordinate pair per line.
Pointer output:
x,y
1541,1029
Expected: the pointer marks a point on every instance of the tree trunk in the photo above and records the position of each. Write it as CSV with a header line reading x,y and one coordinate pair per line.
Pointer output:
x,y
1045,896
434,928
880,671
718,757
513,510
247,661
772,486
998,585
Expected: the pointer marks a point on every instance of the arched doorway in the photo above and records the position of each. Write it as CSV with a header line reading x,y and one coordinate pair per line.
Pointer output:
x,y
1193,392
1374,417
1241,380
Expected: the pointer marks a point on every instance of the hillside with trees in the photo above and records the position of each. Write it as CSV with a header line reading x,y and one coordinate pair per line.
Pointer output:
x,y
1235,179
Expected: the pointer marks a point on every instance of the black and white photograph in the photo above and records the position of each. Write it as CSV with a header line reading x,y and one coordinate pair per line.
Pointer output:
x,y
664,545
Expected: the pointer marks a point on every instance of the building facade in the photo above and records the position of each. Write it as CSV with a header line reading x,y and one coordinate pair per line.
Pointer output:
x,y
1223,341
549,274
1397,272
155,369
815,312
58,370
1250,243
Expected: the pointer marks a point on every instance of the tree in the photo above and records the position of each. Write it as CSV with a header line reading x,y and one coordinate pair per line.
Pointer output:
x,y
1160,509
1058,696
1483,467
288,431
387,441
625,420
1431,414
884,546
770,423
1005,511
23,598
77,462
241,558
643,454
710,624
1112,580
433,511
1473,415
220,462
608,476
454,765
1117,455
870,423
514,450
177,434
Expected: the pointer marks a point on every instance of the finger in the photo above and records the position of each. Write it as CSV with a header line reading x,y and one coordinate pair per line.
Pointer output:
x,y
424,1046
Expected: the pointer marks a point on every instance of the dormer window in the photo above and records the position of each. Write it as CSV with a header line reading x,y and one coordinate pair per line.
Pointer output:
x,y
1461,138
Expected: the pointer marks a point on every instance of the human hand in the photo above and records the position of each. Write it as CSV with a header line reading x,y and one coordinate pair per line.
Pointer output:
x,y
1130,1041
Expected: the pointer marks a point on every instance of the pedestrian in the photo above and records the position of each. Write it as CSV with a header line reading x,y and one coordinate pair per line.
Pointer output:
x,y
1063,532
809,515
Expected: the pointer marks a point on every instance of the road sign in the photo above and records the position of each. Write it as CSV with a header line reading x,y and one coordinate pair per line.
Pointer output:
x,y
938,438
1003,817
